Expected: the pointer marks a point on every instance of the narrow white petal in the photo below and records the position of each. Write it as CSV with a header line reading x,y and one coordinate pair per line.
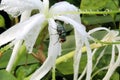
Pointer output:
x,y
114,66
110,36
53,51
13,55
112,56
77,58
89,60
25,15
83,73
45,6
78,53
44,69
99,57
97,29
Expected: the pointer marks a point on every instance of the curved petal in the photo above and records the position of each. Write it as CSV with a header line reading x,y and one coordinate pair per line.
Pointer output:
x,y
31,30
64,7
78,54
78,26
80,36
53,51
110,36
97,29
89,59
27,30
16,7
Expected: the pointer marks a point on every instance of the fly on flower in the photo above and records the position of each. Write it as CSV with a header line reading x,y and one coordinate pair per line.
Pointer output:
x,y
61,32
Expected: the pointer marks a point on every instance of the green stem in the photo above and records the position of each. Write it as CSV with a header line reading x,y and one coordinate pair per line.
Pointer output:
x,y
71,54
53,73
90,12
6,47
94,45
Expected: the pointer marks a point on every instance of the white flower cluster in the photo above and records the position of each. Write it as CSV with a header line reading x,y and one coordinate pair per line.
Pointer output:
x,y
29,28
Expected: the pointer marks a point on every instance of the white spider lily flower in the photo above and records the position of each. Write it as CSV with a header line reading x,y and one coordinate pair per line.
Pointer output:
x,y
81,37
29,29
54,15
17,7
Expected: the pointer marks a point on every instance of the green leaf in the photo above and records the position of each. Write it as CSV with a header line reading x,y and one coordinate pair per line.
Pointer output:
x,y
2,22
93,4
69,44
23,58
4,75
94,19
5,58
66,67
115,76
112,5
25,71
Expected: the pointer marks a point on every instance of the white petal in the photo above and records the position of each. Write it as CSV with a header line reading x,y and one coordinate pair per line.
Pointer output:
x,y
54,38
83,73
97,29
44,69
111,36
25,15
13,55
27,30
53,51
45,6
89,59
62,7
112,56
114,66
16,7
31,30
78,26
99,57
78,53
10,34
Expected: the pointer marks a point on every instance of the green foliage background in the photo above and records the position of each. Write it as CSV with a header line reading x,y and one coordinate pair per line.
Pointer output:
x,y
65,68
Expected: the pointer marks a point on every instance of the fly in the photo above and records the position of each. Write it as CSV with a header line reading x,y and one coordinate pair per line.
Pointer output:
x,y
61,32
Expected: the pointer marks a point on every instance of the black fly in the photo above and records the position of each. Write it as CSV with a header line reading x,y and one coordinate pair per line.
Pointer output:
x,y
61,31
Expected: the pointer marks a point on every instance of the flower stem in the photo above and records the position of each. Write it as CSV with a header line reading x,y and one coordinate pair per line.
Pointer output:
x,y
91,12
71,54
53,73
